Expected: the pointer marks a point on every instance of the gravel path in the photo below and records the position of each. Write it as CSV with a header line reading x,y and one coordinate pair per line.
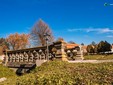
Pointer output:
x,y
90,61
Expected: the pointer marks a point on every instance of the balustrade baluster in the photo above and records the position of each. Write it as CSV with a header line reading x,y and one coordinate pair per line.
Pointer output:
x,y
36,55
42,56
13,57
21,57
17,57
31,57
10,58
26,57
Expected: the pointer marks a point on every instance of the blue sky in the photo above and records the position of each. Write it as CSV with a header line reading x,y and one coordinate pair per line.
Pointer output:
x,y
82,21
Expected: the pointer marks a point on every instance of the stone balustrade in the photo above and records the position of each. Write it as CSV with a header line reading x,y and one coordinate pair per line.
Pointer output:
x,y
30,55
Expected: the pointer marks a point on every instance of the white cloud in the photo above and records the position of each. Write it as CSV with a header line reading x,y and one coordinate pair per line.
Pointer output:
x,y
98,30
73,30
107,30
110,36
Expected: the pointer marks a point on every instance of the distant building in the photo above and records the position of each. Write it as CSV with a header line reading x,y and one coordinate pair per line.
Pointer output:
x,y
2,57
112,48
70,46
75,46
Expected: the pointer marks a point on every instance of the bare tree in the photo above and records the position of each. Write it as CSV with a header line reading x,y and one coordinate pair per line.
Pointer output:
x,y
37,33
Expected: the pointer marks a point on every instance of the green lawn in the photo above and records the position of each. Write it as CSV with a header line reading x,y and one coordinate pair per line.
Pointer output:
x,y
98,57
6,72
64,73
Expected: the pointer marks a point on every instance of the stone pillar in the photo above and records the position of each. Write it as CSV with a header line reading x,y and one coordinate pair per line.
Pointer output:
x,y
79,55
63,53
60,53
6,58
81,52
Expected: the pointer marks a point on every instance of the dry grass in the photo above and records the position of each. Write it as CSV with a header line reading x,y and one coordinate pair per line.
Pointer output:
x,y
98,57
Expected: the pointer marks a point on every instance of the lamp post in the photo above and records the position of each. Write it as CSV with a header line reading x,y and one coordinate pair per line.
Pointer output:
x,y
47,50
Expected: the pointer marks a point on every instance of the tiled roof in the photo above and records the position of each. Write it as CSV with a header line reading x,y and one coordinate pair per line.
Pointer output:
x,y
68,46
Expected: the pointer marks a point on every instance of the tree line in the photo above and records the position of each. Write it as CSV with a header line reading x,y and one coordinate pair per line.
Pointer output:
x,y
34,38
101,47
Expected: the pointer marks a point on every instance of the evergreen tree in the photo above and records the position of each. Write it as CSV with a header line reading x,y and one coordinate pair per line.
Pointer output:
x,y
90,49
82,44
93,43
104,46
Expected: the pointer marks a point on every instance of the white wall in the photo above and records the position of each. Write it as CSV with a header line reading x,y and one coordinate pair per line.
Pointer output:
x,y
2,57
